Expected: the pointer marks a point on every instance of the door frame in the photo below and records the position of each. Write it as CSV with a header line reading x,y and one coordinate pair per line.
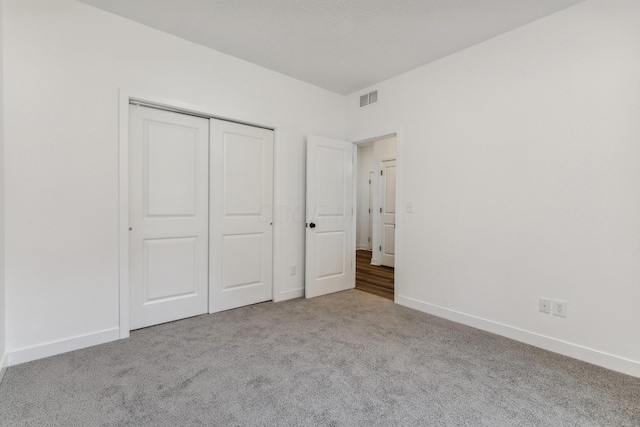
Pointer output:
x,y
398,269
126,96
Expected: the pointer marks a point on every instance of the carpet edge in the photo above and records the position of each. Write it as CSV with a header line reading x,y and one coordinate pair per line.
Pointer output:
x,y
575,351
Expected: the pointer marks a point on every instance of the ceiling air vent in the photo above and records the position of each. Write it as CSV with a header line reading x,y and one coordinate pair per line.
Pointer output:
x,y
368,98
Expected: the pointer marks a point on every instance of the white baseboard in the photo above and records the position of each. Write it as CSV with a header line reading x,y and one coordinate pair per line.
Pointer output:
x,y
589,355
290,294
3,366
62,346
363,248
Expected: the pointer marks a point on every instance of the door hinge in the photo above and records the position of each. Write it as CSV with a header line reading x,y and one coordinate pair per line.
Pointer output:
x,y
369,182
380,248
369,210
380,210
368,239
380,173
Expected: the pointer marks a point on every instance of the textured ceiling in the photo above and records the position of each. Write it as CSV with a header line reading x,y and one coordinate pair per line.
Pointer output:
x,y
340,45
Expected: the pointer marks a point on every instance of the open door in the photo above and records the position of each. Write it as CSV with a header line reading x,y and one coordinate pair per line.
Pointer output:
x,y
388,213
329,235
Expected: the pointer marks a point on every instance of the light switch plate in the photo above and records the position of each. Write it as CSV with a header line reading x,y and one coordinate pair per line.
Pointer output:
x,y
544,305
409,207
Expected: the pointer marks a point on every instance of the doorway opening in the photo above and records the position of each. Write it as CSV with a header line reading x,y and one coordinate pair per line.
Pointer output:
x,y
376,216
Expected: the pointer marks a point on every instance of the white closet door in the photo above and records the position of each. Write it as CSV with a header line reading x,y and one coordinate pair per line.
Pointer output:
x,y
241,215
329,237
169,214
388,213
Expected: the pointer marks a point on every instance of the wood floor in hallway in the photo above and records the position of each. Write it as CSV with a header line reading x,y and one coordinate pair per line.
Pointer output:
x,y
374,279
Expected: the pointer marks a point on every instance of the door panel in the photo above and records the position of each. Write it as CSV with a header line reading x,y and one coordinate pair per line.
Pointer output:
x,y
168,216
331,243
170,148
330,191
247,273
389,247
170,265
370,238
242,222
243,164
329,235
388,216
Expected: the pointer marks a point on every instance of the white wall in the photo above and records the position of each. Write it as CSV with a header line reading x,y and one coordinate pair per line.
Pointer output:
x,y
521,156
365,166
3,358
384,149
65,62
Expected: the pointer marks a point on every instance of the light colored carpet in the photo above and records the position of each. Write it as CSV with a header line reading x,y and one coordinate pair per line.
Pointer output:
x,y
347,359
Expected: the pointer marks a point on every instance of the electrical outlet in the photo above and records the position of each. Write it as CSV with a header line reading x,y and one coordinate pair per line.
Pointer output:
x,y
560,308
544,305
293,269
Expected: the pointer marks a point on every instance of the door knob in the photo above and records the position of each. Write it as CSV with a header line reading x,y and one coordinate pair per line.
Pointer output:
x,y
312,225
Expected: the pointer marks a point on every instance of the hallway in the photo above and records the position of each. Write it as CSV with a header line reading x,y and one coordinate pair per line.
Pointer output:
x,y
374,279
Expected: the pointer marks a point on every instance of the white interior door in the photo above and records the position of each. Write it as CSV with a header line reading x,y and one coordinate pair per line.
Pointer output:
x,y
329,210
169,190
388,213
241,215
370,237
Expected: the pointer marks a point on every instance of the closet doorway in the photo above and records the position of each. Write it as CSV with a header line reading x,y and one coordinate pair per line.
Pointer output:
x,y
200,215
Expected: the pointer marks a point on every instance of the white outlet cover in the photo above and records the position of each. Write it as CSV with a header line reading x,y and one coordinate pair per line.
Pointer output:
x,y
560,308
